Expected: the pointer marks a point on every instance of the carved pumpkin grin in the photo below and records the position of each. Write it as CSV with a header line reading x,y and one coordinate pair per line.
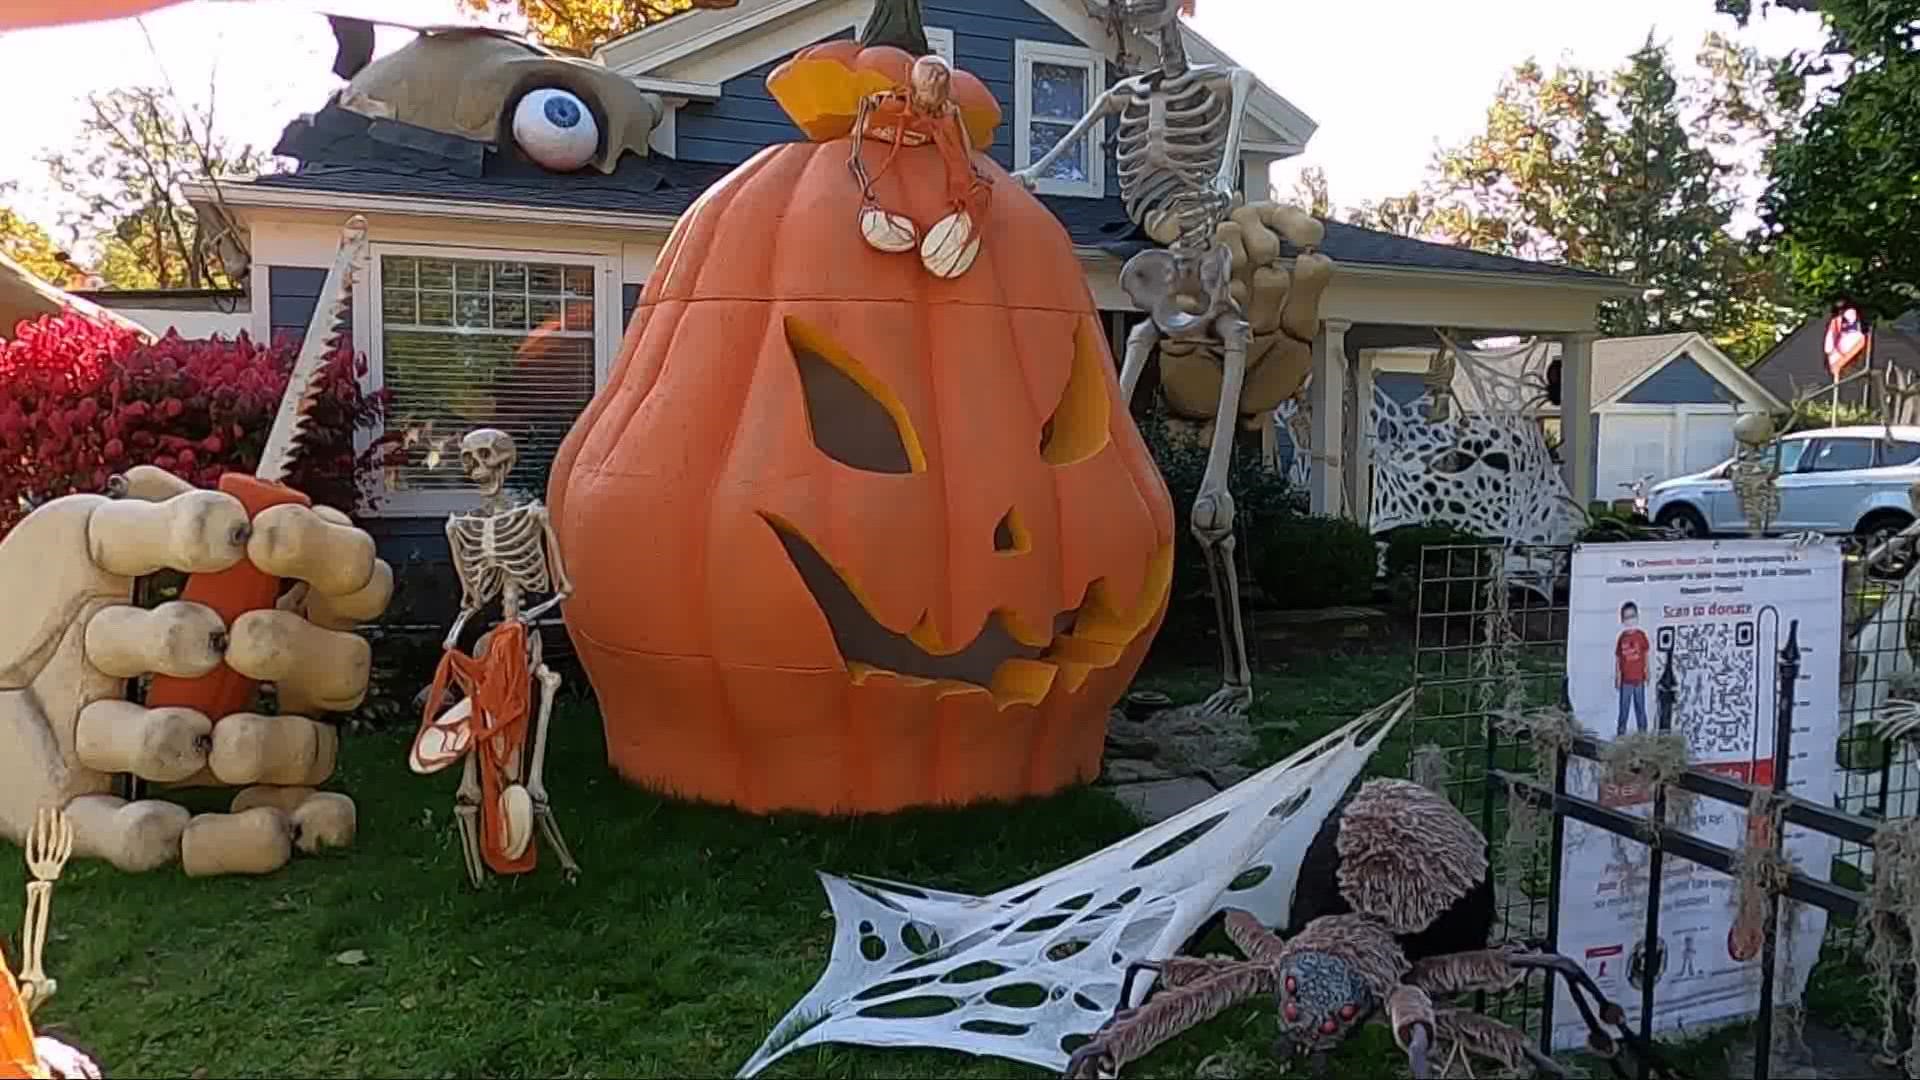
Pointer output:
x,y
1017,662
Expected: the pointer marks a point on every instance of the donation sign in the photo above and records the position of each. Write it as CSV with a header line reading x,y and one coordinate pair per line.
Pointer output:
x,y
1688,637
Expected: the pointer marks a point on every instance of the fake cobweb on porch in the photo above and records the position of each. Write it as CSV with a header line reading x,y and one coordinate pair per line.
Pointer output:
x,y
1470,452
1032,971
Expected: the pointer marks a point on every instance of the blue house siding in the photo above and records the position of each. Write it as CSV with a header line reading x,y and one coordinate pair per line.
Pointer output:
x,y
746,119
1682,382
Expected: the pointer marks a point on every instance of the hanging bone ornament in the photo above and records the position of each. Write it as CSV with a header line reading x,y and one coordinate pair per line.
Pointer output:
x,y
504,551
24,1055
1178,138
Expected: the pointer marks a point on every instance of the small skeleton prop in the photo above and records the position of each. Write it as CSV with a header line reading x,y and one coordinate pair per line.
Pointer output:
x,y
920,113
1179,129
1756,467
48,846
505,550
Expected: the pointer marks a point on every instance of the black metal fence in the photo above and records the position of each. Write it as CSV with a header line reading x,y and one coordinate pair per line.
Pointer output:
x,y
1490,646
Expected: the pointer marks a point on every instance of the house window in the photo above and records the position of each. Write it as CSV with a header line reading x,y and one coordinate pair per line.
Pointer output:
x,y
476,340
1054,86
940,39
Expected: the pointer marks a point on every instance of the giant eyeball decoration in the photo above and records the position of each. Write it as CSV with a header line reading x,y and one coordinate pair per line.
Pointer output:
x,y
849,538
555,129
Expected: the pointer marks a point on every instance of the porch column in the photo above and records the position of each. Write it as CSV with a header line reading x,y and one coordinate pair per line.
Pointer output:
x,y
1576,415
1328,400
1360,440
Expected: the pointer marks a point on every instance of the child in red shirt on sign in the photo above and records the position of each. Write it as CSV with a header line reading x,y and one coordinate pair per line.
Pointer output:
x,y
1630,667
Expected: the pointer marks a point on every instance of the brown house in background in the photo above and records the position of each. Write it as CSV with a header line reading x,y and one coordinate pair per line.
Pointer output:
x,y
1798,364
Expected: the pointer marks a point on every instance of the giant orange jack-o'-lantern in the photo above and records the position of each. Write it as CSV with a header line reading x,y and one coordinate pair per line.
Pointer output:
x,y
850,537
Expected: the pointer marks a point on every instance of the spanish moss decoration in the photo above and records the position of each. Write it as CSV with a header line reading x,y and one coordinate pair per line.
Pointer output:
x,y
1893,904
1429,768
1760,875
1659,760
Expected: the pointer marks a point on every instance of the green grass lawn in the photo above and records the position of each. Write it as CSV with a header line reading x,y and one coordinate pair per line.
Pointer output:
x,y
691,933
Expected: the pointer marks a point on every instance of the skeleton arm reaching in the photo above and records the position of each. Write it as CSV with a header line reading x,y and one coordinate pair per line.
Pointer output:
x,y
1107,104
1241,82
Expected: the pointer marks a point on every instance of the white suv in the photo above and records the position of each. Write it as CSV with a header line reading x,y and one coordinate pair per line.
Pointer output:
x,y
1839,480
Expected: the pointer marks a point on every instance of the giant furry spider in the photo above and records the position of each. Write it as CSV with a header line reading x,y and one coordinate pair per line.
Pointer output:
x,y
1394,908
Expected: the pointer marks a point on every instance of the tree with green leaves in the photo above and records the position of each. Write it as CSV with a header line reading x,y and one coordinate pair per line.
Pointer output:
x,y
26,243
1633,174
1842,205
125,173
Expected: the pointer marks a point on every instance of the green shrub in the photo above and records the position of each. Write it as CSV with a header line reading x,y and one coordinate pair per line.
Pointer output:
x,y
1306,561
1260,498
1409,563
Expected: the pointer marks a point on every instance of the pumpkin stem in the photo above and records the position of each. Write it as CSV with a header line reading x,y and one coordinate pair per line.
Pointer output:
x,y
897,23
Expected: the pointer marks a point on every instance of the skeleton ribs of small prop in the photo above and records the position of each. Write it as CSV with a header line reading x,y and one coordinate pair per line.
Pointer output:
x,y
504,551
24,1056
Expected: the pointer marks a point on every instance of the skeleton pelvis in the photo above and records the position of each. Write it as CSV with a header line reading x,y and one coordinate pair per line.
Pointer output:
x,y
1182,294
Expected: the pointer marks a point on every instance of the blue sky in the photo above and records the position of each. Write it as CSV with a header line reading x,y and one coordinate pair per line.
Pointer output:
x,y
1387,80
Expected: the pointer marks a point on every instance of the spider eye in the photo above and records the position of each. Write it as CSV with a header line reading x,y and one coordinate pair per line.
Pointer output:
x,y
1329,1027
1292,987
1348,1012
1291,1011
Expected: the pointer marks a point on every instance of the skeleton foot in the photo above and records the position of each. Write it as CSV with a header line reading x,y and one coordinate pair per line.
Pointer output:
x,y
888,232
951,245
516,816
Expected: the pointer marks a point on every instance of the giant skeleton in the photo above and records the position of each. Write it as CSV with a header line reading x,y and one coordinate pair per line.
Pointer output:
x,y
1178,148
504,551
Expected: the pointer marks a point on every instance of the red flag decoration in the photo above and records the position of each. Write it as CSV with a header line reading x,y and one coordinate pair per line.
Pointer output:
x,y
1846,340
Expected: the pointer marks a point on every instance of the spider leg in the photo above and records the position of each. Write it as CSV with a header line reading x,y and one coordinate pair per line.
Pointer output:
x,y
1133,1033
1473,1034
1494,970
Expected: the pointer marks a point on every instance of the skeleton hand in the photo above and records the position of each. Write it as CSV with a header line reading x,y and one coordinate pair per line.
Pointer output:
x,y
68,572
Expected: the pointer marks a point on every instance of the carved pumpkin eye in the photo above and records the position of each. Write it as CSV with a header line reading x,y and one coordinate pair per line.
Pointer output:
x,y
854,418
1081,423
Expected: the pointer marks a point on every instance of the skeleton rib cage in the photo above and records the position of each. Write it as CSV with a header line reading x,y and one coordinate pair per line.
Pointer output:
x,y
497,551
1170,136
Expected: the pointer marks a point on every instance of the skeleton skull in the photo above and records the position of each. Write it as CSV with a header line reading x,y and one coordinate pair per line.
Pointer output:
x,y
487,457
931,83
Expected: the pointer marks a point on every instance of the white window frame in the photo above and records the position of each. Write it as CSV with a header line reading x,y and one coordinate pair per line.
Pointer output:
x,y
940,40
369,330
1025,55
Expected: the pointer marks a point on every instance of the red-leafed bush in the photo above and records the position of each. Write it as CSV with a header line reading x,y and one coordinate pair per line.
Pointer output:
x,y
80,401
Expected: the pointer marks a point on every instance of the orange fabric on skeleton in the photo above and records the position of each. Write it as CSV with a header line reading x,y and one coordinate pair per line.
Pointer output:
x,y
501,689
892,119
18,1058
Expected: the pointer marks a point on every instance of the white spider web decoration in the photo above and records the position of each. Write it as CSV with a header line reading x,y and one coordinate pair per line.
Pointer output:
x,y
1485,468
1033,970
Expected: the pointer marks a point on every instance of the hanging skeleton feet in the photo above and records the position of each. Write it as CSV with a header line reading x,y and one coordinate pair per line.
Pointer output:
x,y
1233,327
505,550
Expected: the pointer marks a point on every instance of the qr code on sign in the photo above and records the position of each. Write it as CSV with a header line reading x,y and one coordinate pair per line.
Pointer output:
x,y
1716,669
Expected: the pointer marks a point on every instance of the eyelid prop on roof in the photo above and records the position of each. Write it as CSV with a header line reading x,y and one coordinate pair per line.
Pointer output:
x,y
468,82
1037,967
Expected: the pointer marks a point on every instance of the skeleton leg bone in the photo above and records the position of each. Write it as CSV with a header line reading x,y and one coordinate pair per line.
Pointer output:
x,y
1140,342
1213,525
536,779
466,812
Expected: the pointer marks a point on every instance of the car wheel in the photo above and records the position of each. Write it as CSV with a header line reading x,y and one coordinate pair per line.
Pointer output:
x,y
1876,529
1683,520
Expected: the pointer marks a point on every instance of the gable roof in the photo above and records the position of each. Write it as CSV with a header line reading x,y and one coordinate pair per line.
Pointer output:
x,y
1622,363
643,53
1797,363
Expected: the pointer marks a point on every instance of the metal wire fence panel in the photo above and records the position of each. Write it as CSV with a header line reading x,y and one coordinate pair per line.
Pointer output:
x,y
1490,641
1490,644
